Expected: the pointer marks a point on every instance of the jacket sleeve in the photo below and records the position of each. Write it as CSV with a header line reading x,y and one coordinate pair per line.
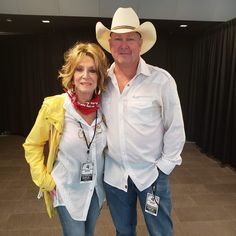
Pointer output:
x,y
34,147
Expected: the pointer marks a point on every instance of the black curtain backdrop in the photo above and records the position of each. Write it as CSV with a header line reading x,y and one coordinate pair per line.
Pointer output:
x,y
30,64
204,71
29,71
211,120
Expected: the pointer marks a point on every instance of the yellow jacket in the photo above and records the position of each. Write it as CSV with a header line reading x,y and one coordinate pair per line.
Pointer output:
x,y
46,130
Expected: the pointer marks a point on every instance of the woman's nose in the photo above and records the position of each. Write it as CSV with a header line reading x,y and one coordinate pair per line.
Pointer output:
x,y
85,74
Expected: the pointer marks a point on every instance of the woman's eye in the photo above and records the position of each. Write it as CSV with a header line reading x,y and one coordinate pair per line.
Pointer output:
x,y
88,70
93,71
79,69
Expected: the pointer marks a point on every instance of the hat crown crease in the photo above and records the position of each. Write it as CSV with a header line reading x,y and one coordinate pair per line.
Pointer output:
x,y
125,17
123,27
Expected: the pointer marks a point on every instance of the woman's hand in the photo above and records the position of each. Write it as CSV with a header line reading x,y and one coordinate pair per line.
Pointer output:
x,y
53,192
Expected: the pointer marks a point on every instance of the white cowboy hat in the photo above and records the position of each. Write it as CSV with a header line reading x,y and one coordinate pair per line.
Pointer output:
x,y
126,20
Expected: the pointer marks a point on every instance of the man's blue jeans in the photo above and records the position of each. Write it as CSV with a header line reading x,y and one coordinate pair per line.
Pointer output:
x,y
123,210
73,227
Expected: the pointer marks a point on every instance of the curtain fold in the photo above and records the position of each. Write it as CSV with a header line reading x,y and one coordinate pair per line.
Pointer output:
x,y
29,71
213,91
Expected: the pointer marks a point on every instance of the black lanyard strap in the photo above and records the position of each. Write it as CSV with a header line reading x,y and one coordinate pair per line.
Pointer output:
x,y
86,141
154,188
154,191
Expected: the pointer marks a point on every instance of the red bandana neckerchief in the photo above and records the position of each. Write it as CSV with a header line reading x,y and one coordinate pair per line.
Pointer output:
x,y
86,107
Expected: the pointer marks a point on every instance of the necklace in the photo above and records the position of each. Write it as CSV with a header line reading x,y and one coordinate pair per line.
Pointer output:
x,y
86,141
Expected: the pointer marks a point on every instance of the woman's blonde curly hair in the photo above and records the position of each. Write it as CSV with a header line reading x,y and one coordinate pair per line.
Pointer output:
x,y
73,57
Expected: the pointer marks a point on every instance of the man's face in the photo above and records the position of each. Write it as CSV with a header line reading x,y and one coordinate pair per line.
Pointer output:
x,y
125,48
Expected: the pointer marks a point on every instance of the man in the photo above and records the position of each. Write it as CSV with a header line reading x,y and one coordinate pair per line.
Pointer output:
x,y
145,128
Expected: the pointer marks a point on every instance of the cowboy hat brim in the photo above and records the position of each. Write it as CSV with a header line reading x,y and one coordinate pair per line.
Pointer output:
x,y
146,30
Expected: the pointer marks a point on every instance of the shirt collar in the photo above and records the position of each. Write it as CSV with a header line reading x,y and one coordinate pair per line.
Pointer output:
x,y
143,68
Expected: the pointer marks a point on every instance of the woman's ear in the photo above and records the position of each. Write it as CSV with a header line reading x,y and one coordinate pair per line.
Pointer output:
x,y
72,85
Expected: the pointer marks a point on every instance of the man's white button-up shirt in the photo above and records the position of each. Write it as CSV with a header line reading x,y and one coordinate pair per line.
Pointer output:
x,y
145,127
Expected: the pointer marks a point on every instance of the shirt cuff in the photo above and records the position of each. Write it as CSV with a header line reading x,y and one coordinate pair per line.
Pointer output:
x,y
49,186
165,166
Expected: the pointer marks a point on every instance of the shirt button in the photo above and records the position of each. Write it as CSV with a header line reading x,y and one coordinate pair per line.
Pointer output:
x,y
126,186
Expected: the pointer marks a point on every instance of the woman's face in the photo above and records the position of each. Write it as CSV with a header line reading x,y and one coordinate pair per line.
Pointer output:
x,y
85,77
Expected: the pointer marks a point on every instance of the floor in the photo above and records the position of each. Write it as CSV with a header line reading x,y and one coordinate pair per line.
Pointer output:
x,y
204,197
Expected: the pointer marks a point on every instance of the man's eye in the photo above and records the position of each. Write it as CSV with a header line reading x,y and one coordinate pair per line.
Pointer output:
x,y
130,39
117,39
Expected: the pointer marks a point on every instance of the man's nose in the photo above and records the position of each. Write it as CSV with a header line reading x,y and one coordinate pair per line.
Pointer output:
x,y
124,43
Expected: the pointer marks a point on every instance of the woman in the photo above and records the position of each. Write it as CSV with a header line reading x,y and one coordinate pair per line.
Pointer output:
x,y
72,125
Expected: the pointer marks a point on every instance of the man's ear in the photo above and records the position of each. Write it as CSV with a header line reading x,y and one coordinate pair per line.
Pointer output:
x,y
141,41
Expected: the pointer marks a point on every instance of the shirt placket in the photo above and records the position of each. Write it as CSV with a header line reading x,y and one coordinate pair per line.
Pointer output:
x,y
93,156
122,109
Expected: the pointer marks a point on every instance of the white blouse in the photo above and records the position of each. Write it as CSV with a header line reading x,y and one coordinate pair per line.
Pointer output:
x,y
70,192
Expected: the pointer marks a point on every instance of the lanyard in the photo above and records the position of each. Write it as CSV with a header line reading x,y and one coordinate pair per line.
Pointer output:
x,y
86,141
154,188
154,191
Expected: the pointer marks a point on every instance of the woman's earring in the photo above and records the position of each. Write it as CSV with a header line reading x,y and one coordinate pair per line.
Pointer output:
x,y
73,87
97,91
